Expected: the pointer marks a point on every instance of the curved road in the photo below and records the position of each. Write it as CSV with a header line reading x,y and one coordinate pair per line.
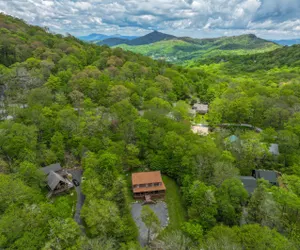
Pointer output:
x,y
243,125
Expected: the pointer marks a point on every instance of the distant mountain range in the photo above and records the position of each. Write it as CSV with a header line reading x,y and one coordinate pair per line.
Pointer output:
x,y
184,49
99,37
289,42
152,37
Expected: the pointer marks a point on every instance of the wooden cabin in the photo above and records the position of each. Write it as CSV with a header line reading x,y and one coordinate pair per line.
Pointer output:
x,y
148,183
56,178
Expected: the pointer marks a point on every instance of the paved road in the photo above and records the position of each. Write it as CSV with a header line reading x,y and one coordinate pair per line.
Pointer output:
x,y
77,174
243,125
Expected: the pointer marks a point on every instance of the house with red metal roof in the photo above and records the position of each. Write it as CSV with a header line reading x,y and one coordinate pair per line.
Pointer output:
x,y
148,184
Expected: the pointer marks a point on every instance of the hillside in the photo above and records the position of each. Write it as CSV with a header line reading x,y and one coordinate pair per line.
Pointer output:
x,y
152,37
281,57
105,113
182,50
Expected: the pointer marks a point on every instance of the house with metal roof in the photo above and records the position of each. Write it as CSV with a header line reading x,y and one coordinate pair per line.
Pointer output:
x,y
145,184
56,179
53,167
269,175
249,183
57,184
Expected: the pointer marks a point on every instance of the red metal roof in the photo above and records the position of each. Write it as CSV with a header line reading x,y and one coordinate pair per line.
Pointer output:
x,y
146,177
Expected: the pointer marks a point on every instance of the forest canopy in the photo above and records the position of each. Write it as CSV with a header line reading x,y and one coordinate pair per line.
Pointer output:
x,y
111,112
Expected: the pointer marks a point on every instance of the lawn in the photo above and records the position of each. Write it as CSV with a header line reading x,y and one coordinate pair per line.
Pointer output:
x,y
177,212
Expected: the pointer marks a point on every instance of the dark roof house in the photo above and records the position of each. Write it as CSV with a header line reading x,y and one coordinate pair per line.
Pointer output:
x,y
57,180
268,175
53,167
249,183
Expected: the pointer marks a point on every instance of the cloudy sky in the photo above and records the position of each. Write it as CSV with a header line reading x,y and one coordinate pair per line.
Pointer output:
x,y
272,19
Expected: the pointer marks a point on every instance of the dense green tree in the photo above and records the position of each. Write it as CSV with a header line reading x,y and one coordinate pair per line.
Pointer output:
x,y
150,220
194,231
15,192
30,174
262,208
174,240
203,204
222,237
102,218
57,145
254,236
64,234
231,195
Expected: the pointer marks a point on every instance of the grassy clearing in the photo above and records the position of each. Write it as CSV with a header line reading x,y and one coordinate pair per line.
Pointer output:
x,y
129,191
177,213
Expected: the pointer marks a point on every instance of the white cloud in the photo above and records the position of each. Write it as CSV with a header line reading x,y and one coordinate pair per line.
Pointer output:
x,y
83,5
179,17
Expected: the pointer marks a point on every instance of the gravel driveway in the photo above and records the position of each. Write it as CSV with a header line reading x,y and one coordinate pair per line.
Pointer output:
x,y
77,174
160,209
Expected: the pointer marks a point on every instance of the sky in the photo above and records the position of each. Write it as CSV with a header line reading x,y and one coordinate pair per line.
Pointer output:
x,y
270,19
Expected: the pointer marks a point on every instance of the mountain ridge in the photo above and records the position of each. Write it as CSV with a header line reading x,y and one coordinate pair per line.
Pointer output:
x,y
183,49
152,37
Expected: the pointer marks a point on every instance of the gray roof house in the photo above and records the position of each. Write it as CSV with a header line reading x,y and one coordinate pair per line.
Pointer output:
x,y
53,167
57,180
268,175
249,183
200,108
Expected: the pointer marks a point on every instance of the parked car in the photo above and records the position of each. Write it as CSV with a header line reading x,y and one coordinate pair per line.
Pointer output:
x,y
76,183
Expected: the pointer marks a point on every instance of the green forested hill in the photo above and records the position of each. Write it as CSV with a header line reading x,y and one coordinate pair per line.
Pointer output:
x,y
183,50
150,38
112,112
286,56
